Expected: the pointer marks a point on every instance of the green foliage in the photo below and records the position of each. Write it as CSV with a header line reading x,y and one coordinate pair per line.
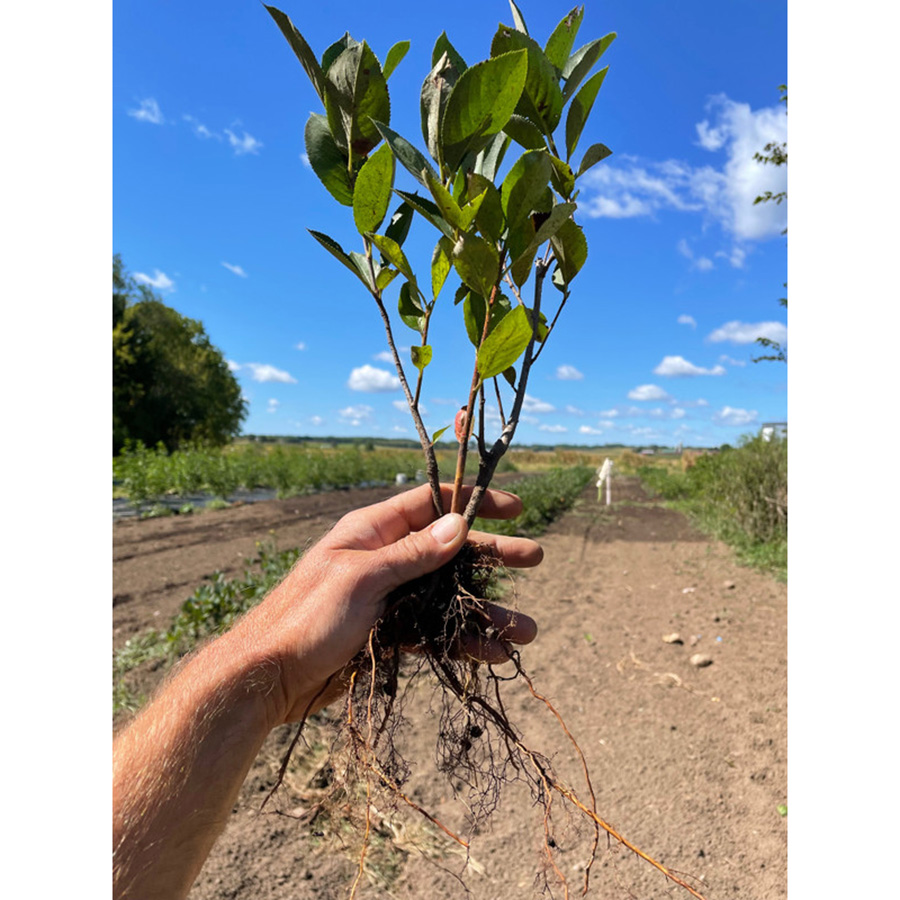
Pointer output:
x,y
148,475
469,116
740,496
170,384
544,497
210,610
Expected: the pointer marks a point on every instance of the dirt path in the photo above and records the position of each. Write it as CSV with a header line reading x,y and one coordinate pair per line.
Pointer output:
x,y
688,763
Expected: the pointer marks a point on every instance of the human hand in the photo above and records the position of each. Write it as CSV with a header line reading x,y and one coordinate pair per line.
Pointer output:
x,y
320,616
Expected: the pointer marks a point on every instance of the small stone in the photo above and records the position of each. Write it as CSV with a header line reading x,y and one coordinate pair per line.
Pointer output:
x,y
700,660
688,590
695,639
729,585
673,638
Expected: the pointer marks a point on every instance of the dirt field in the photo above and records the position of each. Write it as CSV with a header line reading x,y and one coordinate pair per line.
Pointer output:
x,y
689,763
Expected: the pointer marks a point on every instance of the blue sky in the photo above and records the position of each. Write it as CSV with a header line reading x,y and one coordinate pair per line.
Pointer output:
x,y
212,198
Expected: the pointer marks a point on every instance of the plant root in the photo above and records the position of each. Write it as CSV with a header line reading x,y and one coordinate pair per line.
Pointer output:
x,y
427,624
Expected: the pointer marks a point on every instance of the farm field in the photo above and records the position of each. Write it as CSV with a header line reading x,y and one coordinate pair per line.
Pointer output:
x,y
688,763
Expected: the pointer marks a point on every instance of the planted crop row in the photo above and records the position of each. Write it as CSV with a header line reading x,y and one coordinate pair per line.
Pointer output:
x,y
145,474
545,498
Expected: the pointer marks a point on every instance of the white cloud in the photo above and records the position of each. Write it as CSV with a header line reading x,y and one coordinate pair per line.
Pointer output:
x,y
160,280
732,362
636,187
553,429
356,415
701,263
200,130
370,380
236,269
677,413
533,405
387,357
574,410
273,405
746,333
148,111
242,145
316,420
730,415
687,320
568,373
609,413
264,372
233,366
678,366
586,429
300,345
304,158
643,392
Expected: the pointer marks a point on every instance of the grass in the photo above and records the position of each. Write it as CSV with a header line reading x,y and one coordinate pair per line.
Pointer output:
x,y
738,496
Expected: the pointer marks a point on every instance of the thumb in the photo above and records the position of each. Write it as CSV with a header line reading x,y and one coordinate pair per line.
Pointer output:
x,y
422,551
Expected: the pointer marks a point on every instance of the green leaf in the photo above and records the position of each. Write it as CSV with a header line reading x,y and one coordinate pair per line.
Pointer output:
x,y
518,18
559,45
398,227
489,217
428,210
384,275
562,177
505,344
406,154
433,101
394,55
334,50
365,270
541,100
421,356
393,254
470,210
359,100
489,160
581,109
442,45
521,267
335,249
438,433
781,809
477,263
524,185
448,207
510,376
372,192
570,248
301,50
525,133
542,329
473,314
327,160
480,104
411,313
441,264
594,154
582,61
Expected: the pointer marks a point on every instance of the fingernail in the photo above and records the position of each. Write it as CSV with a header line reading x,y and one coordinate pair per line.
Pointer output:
x,y
446,529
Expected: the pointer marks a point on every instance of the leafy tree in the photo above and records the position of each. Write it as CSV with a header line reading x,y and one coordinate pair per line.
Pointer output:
x,y
774,154
170,384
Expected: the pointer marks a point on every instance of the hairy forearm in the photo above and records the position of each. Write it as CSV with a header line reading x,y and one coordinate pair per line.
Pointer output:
x,y
178,768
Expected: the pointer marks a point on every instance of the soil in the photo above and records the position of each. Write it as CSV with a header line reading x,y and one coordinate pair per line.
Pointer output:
x,y
689,763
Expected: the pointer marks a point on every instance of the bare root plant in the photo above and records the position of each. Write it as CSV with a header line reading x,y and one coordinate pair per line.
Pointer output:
x,y
494,233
